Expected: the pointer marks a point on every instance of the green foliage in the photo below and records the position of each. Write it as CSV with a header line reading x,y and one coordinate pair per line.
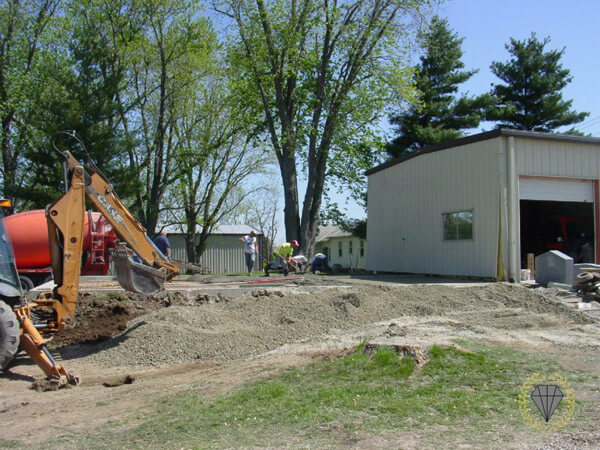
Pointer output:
x,y
531,97
440,115
27,29
321,74
86,82
5,443
216,156
332,215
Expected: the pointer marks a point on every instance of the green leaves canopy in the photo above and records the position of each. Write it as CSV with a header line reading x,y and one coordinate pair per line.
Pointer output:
x,y
322,73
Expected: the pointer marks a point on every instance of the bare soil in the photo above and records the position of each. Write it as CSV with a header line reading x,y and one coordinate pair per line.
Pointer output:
x,y
131,350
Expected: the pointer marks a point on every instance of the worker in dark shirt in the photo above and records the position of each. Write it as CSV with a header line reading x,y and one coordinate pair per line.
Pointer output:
x,y
162,243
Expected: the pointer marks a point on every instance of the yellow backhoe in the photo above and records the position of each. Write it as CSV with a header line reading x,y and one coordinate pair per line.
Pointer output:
x,y
22,323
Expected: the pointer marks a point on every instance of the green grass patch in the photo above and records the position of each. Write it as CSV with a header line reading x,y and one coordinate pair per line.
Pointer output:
x,y
322,402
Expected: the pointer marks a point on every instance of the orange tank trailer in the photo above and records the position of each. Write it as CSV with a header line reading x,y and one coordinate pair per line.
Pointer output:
x,y
28,232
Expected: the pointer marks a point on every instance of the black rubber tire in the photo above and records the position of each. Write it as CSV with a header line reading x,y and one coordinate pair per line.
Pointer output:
x,y
9,335
584,277
26,283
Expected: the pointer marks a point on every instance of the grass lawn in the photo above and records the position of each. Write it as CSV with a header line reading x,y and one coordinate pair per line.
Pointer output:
x,y
458,396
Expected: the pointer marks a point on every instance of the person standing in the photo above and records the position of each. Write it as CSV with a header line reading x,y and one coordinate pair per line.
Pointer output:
x,y
162,243
250,249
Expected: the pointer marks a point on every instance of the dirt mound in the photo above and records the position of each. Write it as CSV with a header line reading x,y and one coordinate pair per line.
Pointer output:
x,y
253,324
101,317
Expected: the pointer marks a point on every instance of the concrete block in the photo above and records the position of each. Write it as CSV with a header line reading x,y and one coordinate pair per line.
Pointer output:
x,y
554,266
566,287
578,268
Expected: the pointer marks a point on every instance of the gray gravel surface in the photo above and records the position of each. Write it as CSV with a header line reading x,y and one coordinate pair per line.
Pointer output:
x,y
265,320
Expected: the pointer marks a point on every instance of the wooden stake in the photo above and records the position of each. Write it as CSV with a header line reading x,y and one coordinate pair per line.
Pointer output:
x,y
531,265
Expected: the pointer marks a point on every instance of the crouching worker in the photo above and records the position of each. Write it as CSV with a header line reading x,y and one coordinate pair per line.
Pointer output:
x,y
299,263
319,263
284,253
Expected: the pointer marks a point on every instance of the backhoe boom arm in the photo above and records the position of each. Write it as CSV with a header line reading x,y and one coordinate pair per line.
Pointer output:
x,y
65,229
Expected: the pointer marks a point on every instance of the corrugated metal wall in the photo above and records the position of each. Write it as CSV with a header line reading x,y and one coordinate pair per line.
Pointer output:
x,y
406,203
536,157
407,200
223,253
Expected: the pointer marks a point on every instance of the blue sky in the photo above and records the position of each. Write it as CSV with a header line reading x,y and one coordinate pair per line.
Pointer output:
x,y
487,25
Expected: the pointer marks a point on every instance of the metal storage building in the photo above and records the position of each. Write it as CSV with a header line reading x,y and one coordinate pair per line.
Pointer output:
x,y
477,206
224,253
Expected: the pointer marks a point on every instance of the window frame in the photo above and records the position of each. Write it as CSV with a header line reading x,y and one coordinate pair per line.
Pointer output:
x,y
456,236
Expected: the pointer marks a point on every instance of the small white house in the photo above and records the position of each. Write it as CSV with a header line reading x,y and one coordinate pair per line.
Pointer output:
x,y
341,247
478,206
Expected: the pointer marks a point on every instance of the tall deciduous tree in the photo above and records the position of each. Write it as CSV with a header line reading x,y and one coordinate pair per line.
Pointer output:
x,y
167,63
441,114
531,97
216,155
322,72
24,26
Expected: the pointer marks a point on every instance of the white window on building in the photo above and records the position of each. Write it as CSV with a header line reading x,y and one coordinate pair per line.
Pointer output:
x,y
362,247
350,247
340,248
458,225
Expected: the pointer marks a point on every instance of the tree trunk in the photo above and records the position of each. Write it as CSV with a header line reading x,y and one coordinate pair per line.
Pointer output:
x,y
311,208
9,162
287,167
190,248
201,244
151,219
190,231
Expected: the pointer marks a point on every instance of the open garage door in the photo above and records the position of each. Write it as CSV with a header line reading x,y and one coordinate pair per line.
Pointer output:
x,y
556,190
557,215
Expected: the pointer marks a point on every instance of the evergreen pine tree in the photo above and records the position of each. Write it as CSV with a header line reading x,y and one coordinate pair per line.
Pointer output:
x,y
531,99
441,115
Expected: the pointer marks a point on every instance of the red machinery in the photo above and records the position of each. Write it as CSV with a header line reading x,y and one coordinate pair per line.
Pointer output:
x,y
28,232
570,228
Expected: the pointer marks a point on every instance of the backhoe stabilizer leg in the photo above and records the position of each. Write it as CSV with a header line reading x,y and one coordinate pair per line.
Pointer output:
x,y
34,344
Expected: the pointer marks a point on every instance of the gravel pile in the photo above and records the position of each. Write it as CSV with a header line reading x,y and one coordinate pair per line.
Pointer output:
x,y
262,321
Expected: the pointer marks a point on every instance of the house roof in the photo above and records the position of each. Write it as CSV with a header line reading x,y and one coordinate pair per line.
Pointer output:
x,y
238,230
485,136
327,232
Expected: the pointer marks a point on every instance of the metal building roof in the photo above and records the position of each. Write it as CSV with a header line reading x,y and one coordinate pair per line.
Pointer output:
x,y
238,230
485,136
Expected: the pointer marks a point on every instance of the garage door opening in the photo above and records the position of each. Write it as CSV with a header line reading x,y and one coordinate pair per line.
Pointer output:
x,y
564,226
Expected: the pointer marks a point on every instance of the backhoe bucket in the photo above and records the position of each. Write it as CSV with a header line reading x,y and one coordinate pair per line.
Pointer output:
x,y
135,277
